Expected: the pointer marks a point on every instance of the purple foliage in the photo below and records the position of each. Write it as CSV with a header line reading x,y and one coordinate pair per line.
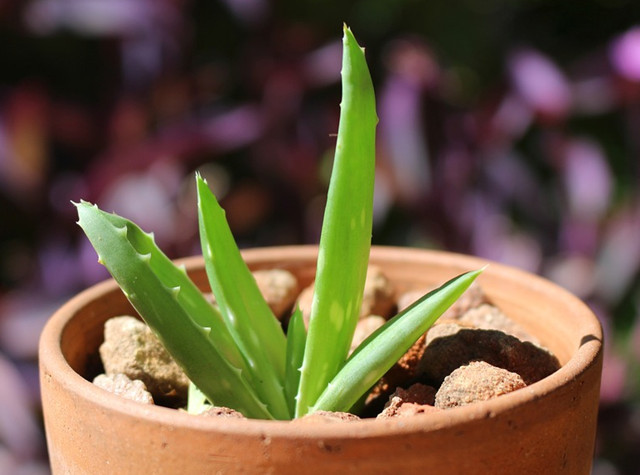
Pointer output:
x,y
625,54
540,83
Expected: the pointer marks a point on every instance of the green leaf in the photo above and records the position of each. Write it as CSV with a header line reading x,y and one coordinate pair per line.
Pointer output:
x,y
373,358
296,339
256,331
187,325
346,231
197,401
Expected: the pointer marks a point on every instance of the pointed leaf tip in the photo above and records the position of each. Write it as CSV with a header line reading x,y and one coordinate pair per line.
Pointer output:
x,y
200,178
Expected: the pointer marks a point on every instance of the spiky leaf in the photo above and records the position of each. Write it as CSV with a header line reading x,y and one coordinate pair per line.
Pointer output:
x,y
373,358
346,231
188,326
251,322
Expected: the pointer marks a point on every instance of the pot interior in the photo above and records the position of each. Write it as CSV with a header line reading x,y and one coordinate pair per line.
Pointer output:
x,y
522,296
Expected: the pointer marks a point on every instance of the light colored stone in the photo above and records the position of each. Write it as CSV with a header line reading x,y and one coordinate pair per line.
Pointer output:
x,y
279,288
477,381
131,348
366,327
377,298
121,385
490,317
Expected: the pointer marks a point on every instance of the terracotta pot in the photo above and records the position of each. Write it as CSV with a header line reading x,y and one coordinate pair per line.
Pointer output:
x,y
548,427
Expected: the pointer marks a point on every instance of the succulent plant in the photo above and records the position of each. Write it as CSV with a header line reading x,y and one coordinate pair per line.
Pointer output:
x,y
236,353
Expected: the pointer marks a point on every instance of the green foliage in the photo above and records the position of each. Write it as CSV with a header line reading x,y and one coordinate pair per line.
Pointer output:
x,y
296,341
346,231
246,314
191,329
236,353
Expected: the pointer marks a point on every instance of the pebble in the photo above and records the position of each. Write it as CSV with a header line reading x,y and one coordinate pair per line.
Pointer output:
x,y
131,348
477,381
123,386
416,399
365,327
378,297
279,288
490,317
449,346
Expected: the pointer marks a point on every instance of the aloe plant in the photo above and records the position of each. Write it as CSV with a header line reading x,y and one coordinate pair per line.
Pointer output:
x,y
236,353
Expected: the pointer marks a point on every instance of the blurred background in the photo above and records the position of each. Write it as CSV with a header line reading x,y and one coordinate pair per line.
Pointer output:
x,y
508,130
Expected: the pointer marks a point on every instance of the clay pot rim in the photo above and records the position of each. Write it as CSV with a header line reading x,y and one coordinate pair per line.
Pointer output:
x,y
586,356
